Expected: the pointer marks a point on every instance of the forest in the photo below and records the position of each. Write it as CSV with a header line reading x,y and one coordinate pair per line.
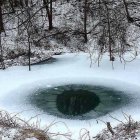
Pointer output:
x,y
34,30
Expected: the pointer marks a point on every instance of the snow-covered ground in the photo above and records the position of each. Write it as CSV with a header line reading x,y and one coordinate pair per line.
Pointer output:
x,y
17,83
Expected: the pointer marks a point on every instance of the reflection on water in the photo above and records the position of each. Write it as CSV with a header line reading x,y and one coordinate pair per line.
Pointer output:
x,y
78,101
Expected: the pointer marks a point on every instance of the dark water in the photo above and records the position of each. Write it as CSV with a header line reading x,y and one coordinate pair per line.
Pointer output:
x,y
78,101
46,61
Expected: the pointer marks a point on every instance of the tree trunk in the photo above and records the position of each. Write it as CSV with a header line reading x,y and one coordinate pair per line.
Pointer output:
x,y
1,30
85,21
26,2
109,32
50,16
21,3
29,36
1,19
1,55
48,6
129,18
29,51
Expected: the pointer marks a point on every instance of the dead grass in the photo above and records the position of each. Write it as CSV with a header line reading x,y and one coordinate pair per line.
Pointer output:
x,y
15,128
22,129
8,121
125,130
129,129
31,132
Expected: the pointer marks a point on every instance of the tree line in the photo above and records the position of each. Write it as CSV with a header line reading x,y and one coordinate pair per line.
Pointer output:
x,y
104,21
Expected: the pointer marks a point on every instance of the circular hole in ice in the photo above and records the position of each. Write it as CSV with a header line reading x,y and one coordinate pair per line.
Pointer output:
x,y
78,101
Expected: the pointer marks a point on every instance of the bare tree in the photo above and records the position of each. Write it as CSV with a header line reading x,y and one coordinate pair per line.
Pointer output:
x,y
48,6
131,19
1,30
85,19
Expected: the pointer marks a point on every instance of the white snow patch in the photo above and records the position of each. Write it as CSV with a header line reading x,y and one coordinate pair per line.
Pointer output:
x,y
17,83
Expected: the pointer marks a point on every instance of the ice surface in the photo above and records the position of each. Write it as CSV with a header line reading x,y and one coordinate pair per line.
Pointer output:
x,y
17,83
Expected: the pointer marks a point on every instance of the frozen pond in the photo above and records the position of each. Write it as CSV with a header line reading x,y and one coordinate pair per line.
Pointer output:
x,y
118,91
78,101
